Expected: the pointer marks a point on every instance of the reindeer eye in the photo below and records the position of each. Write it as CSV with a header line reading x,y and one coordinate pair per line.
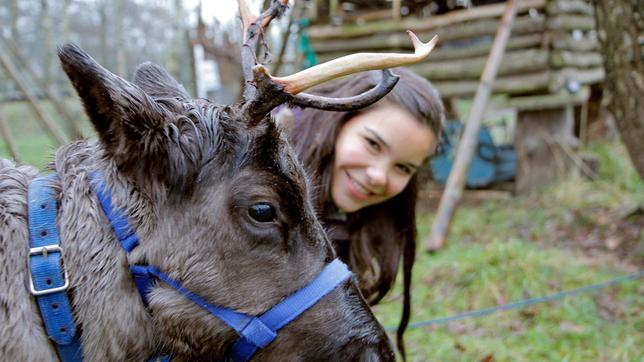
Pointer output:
x,y
262,212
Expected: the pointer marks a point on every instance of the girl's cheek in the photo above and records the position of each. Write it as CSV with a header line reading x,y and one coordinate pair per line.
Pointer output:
x,y
397,184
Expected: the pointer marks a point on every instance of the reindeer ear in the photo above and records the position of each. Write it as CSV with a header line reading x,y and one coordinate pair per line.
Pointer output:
x,y
130,124
158,83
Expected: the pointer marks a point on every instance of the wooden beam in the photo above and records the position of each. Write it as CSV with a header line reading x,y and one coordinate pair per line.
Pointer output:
x,y
581,76
369,15
566,41
516,84
449,53
45,121
72,125
468,142
386,40
569,7
420,25
395,10
545,101
563,58
517,62
7,137
515,43
571,22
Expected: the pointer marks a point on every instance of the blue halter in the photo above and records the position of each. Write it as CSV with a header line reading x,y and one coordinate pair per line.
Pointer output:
x,y
49,282
255,331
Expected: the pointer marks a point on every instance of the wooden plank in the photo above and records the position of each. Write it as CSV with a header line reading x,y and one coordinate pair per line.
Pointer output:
x,y
515,43
566,41
538,82
516,84
563,58
447,53
545,101
569,7
400,40
571,22
419,25
369,15
581,76
521,61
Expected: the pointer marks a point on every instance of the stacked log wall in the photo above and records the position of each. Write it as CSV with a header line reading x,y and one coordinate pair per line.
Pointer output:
x,y
553,44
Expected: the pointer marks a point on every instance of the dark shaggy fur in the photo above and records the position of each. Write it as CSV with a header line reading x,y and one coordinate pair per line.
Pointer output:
x,y
186,173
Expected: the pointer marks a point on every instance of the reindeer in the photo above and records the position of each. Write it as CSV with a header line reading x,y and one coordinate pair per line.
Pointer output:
x,y
185,230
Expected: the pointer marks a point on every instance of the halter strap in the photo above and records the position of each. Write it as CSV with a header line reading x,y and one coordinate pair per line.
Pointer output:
x,y
255,331
48,281
333,274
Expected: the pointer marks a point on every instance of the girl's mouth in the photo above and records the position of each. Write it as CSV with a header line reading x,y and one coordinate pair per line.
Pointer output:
x,y
357,189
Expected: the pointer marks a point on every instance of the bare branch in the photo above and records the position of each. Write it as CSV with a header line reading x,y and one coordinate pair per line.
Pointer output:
x,y
253,30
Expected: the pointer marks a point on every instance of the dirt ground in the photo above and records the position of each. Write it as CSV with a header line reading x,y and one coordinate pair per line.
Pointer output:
x,y
598,232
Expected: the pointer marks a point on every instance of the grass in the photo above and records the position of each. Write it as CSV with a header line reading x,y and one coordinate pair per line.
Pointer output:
x,y
502,251
33,145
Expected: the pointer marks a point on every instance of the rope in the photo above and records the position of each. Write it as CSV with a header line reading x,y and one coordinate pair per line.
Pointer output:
x,y
522,303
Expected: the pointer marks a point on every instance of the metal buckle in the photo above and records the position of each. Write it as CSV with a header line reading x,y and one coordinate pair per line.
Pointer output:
x,y
43,250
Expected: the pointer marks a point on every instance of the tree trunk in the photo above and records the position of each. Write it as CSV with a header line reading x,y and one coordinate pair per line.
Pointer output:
x,y
14,15
47,51
541,140
103,11
121,66
65,21
620,23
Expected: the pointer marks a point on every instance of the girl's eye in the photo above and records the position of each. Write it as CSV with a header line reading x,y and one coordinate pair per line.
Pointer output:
x,y
262,212
373,144
405,169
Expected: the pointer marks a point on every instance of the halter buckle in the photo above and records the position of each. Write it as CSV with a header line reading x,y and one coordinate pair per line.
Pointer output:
x,y
44,250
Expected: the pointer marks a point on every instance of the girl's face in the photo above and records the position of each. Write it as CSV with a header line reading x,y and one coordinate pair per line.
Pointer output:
x,y
376,154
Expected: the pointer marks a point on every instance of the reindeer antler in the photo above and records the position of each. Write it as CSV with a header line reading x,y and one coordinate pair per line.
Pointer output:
x,y
264,92
354,63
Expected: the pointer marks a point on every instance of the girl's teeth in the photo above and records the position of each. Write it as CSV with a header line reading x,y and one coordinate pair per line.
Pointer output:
x,y
359,187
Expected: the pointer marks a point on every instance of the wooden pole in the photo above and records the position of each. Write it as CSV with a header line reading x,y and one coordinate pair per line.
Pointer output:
x,y
5,132
467,145
395,10
72,127
45,121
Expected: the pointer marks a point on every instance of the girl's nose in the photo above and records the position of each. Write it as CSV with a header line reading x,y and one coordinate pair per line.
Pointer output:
x,y
377,178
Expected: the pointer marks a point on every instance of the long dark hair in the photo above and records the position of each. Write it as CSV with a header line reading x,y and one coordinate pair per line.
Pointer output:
x,y
379,235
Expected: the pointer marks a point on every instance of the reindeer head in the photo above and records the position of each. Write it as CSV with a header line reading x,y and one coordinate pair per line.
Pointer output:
x,y
227,206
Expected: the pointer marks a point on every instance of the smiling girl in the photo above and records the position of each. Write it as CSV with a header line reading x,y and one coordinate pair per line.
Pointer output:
x,y
363,166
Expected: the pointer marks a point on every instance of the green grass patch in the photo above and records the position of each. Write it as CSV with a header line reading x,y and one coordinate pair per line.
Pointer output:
x,y
34,146
504,251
